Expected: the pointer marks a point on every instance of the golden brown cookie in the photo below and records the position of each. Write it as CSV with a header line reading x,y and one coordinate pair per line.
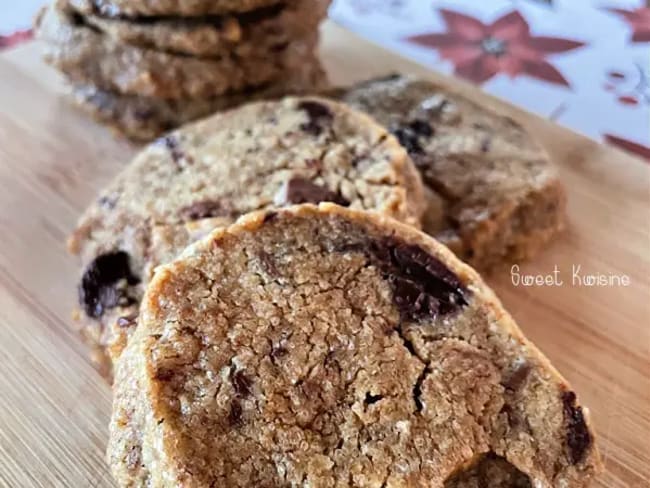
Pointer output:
x,y
260,156
494,196
145,118
87,56
324,346
266,30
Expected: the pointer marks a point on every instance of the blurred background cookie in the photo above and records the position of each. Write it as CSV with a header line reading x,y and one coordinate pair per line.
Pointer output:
x,y
146,74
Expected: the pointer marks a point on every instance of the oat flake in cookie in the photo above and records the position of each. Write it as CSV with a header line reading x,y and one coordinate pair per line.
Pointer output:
x,y
322,346
493,194
261,156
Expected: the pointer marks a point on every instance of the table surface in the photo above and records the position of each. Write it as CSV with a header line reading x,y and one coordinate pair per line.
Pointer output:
x,y
54,407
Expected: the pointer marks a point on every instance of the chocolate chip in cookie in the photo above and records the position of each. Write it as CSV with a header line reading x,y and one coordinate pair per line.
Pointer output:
x,y
319,117
298,190
104,284
578,437
422,285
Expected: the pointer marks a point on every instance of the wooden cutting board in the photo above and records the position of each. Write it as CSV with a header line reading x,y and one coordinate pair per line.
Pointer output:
x,y
54,407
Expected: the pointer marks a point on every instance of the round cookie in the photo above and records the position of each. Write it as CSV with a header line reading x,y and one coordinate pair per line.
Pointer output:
x,y
145,118
86,56
323,346
494,196
260,156
261,31
179,8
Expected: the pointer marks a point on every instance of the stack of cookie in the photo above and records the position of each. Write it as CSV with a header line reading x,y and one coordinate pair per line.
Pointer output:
x,y
144,67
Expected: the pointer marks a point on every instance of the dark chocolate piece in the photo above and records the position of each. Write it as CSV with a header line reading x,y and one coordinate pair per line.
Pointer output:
x,y
422,285
319,115
301,190
409,134
104,284
577,434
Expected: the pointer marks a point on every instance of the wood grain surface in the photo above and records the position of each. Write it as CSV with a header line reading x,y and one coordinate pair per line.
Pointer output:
x,y
54,407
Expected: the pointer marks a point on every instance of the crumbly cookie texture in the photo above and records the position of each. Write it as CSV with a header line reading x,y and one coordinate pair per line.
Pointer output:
x,y
324,346
145,118
265,30
189,8
494,196
87,56
263,155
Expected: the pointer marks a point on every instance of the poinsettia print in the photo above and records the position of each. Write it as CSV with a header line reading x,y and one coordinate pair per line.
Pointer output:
x,y
639,21
480,51
629,146
15,38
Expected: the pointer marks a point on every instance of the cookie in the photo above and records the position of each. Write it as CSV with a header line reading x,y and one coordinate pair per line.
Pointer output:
x,y
145,118
87,56
324,346
261,31
260,156
181,8
494,196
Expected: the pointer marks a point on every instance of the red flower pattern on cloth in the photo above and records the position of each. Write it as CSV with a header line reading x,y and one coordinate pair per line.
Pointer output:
x,y
639,20
629,146
480,51
15,38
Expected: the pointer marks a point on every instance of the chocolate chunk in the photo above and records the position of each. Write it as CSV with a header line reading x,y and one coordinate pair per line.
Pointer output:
x,y
422,285
421,127
104,284
417,389
319,115
203,210
241,383
301,190
518,377
270,216
235,414
408,139
268,264
577,434
409,134
128,320
371,399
